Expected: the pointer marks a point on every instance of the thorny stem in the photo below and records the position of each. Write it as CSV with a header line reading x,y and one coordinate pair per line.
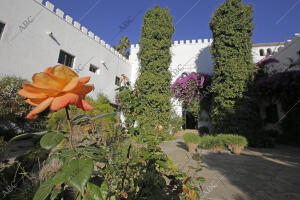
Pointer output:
x,y
70,127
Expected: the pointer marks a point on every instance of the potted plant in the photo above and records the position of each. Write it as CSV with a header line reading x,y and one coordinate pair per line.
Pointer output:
x,y
235,143
191,140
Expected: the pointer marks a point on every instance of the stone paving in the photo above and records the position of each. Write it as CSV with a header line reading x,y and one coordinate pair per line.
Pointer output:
x,y
256,174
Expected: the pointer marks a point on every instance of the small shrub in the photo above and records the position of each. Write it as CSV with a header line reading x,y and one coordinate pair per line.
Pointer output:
x,y
235,143
212,143
230,139
191,138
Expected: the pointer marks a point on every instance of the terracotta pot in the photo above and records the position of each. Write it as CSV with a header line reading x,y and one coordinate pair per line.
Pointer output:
x,y
192,147
236,149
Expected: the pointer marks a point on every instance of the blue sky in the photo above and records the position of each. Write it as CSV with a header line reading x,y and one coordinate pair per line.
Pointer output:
x,y
275,20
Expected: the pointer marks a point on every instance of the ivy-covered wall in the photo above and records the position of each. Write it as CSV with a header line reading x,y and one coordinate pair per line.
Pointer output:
x,y
232,28
153,83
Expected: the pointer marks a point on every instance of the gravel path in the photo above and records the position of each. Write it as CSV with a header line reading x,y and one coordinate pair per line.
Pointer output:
x,y
256,174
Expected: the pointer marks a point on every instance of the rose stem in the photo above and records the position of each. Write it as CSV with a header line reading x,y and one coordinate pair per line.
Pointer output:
x,y
70,127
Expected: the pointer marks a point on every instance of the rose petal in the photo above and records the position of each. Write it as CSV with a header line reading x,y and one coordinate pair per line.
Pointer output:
x,y
64,100
35,102
82,90
71,85
63,72
85,105
48,69
72,99
50,91
45,79
30,95
84,80
40,108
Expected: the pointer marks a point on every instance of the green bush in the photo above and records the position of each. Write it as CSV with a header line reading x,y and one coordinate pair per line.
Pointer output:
x,y
211,142
13,109
154,80
101,105
232,27
222,141
230,139
191,138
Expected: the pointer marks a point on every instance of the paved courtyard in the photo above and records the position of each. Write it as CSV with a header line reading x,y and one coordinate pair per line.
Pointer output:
x,y
256,174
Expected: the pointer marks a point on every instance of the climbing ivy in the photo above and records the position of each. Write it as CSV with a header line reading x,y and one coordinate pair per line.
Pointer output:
x,y
232,28
153,83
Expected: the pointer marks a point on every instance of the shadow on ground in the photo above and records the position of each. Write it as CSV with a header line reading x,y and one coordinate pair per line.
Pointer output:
x,y
256,174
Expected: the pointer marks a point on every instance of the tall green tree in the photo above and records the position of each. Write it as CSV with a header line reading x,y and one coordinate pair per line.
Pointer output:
x,y
153,83
123,46
232,28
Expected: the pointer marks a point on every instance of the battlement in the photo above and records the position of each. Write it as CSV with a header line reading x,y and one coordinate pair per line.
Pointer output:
x,y
193,42
81,28
288,43
183,42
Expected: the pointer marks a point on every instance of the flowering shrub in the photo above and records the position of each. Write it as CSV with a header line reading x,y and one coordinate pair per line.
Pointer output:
x,y
189,87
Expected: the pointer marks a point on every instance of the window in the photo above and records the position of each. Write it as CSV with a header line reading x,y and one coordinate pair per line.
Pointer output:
x,y
65,58
271,114
1,28
261,52
117,81
269,51
94,69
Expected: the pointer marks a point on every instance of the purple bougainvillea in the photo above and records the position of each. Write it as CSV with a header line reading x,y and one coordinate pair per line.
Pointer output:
x,y
189,86
265,61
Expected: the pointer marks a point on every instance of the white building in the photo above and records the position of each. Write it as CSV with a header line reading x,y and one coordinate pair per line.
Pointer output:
x,y
288,56
34,36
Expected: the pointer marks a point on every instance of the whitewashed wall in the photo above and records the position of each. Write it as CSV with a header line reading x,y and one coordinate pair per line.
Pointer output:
x,y
24,51
193,56
274,46
286,55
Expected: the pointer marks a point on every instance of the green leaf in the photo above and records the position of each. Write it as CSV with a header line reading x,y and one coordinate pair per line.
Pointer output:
x,y
162,164
94,191
102,116
55,193
60,177
201,179
85,116
79,197
104,189
79,170
51,139
28,135
44,190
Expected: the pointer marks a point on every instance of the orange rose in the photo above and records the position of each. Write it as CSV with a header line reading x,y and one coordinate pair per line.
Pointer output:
x,y
56,87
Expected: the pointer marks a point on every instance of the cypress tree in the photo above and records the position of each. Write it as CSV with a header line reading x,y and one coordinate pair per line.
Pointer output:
x,y
232,28
153,83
